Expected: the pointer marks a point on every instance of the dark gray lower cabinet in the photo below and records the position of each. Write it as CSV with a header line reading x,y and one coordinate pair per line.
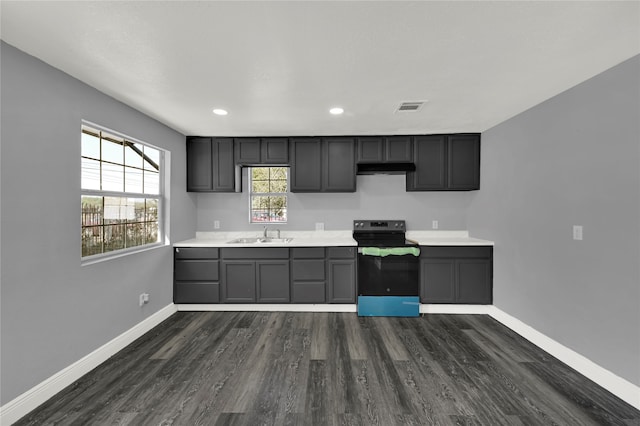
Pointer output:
x,y
308,275
341,274
196,278
252,275
456,275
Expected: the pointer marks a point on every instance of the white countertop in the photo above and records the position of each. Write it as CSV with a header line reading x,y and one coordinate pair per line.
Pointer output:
x,y
328,239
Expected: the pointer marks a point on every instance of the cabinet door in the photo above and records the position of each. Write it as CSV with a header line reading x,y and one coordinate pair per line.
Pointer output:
x,y
275,151
474,284
272,281
339,167
370,150
199,173
247,150
223,165
437,278
463,162
306,164
238,281
429,155
341,281
398,149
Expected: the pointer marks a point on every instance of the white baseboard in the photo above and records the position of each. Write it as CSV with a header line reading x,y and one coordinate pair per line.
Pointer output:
x,y
22,405
618,386
253,307
454,309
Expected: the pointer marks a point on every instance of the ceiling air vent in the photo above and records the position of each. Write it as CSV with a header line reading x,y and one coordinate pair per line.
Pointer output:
x,y
410,106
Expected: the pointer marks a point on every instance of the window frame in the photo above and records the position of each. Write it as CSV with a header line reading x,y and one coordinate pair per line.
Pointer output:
x,y
96,130
267,194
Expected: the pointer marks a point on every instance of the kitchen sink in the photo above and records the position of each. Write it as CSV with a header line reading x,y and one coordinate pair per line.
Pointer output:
x,y
260,240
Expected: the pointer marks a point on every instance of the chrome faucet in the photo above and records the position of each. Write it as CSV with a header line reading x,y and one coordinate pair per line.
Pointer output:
x,y
264,234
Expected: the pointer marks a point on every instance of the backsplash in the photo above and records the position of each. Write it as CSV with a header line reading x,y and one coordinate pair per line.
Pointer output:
x,y
377,197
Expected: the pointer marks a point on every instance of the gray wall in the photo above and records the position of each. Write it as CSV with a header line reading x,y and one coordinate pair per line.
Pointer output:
x,y
572,160
377,197
55,311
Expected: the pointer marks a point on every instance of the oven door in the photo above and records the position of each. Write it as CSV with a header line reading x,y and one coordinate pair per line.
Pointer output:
x,y
391,275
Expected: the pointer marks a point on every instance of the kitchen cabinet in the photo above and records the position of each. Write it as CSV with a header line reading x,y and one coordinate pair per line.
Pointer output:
x,y
445,163
341,274
384,149
322,164
338,165
257,151
250,275
308,275
451,274
196,275
210,165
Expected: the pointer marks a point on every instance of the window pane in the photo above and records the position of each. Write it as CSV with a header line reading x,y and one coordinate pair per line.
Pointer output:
x,y
278,207
90,178
90,146
133,154
112,177
91,240
138,210
153,158
91,210
152,233
278,173
112,152
278,186
114,237
136,234
151,182
260,186
133,180
152,211
118,210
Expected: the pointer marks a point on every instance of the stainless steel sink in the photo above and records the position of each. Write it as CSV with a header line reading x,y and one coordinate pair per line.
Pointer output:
x,y
260,240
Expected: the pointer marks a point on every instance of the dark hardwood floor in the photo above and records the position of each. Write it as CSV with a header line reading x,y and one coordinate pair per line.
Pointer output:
x,y
262,368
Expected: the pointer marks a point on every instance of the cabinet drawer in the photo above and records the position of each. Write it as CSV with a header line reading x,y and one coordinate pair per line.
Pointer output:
x,y
197,292
341,252
307,253
483,252
196,270
255,253
308,292
195,252
310,270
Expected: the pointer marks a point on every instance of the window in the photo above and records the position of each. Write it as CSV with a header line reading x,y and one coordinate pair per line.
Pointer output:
x,y
268,194
121,192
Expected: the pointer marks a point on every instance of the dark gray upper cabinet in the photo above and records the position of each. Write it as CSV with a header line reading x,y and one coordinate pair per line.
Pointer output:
x,y
253,151
199,175
306,164
445,163
338,165
210,165
322,164
463,162
384,149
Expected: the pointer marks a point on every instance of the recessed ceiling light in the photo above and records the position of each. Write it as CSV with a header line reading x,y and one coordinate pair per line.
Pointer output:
x,y
336,110
219,111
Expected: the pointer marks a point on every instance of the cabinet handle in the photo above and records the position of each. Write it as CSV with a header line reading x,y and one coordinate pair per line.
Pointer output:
x,y
177,250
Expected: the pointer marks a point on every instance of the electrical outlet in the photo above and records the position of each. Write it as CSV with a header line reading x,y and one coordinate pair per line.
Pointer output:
x,y
143,298
434,224
216,224
577,232
320,226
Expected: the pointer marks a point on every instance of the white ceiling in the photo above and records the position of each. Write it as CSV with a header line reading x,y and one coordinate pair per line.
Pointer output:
x,y
279,66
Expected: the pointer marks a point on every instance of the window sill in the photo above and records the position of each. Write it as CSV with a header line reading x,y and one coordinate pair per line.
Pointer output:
x,y
98,258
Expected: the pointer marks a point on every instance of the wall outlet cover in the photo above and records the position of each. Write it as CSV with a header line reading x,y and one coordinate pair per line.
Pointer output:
x,y
320,226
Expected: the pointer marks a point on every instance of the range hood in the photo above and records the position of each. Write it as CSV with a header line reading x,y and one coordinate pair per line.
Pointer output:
x,y
384,168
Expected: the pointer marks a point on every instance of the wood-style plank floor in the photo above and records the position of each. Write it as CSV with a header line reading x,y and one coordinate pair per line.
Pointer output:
x,y
264,368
